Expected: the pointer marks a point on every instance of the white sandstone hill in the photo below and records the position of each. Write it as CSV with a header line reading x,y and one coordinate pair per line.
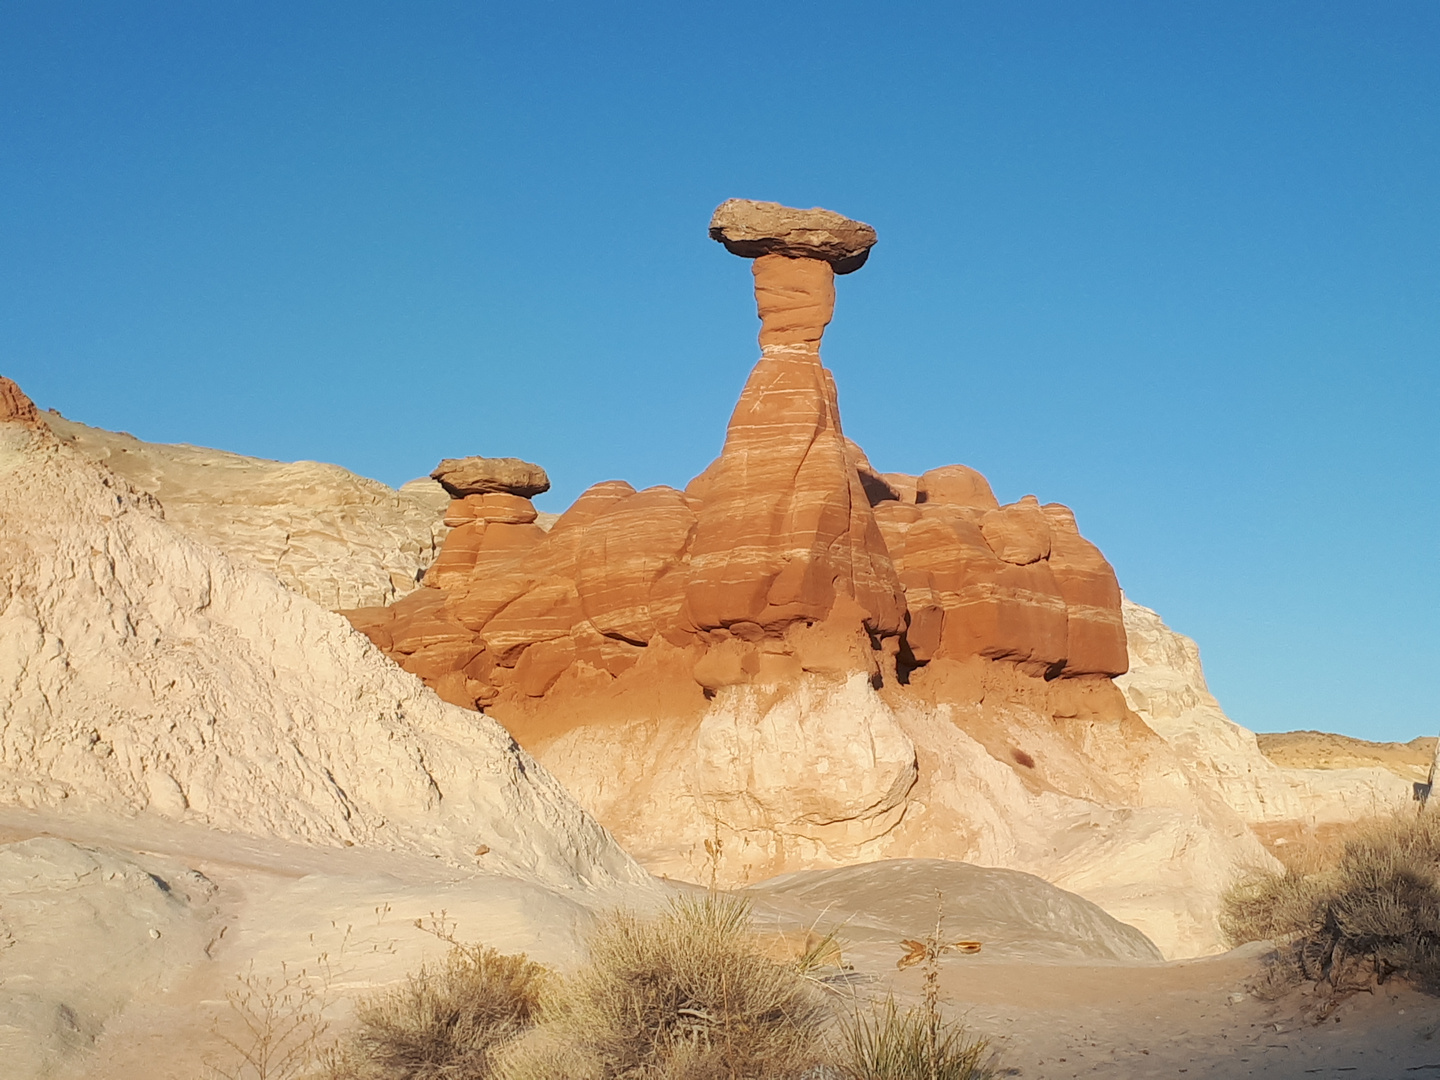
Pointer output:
x,y
343,540
144,673
1166,688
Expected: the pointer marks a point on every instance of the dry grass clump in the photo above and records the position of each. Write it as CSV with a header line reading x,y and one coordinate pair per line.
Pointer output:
x,y
917,1044
446,1022
1371,913
682,996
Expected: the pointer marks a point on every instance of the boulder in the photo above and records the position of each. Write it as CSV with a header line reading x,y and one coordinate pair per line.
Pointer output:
x,y
482,475
751,229
1017,533
956,485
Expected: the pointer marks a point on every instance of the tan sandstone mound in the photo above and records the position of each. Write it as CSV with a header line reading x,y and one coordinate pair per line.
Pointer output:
x,y
144,673
1322,750
342,540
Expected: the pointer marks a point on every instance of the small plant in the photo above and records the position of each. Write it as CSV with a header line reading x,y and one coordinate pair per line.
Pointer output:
x,y
915,1044
682,996
276,1025
919,1043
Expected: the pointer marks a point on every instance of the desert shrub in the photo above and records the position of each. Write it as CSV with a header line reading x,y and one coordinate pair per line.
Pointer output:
x,y
1374,912
447,1021
681,996
916,1044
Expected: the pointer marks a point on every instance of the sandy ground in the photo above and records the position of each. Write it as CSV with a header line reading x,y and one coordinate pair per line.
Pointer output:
x,y
1052,1020
1050,1011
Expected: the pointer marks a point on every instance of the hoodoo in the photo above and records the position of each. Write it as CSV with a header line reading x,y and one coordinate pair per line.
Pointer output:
x,y
790,553
799,661
796,662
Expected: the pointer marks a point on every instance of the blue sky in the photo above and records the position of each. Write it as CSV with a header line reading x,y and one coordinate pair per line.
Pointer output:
x,y
1176,265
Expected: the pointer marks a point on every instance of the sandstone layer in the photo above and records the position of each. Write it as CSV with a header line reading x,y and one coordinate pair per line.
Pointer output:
x,y
342,540
789,555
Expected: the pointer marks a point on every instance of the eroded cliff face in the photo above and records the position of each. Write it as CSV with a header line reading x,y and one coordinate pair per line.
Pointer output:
x,y
145,673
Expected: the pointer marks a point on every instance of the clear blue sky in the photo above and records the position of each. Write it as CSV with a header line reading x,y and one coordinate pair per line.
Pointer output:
x,y
1176,265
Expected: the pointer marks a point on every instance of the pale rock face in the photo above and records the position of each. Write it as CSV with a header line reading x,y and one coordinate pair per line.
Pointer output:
x,y
826,762
1166,688
342,540
142,672
828,773
84,931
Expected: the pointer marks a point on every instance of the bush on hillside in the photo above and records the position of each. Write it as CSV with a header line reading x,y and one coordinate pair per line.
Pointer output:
x,y
1371,913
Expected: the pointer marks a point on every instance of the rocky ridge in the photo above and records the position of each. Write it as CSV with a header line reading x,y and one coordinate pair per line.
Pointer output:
x,y
342,540
789,555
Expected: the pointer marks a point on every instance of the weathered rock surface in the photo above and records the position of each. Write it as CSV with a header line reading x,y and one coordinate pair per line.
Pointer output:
x,y
751,229
142,672
824,774
1166,687
795,299
483,476
15,407
85,931
342,540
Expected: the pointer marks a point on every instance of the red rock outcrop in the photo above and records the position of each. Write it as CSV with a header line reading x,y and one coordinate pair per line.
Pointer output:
x,y
790,553
15,407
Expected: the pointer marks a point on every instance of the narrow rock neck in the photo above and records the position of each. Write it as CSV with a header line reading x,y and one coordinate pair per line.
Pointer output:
x,y
795,299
